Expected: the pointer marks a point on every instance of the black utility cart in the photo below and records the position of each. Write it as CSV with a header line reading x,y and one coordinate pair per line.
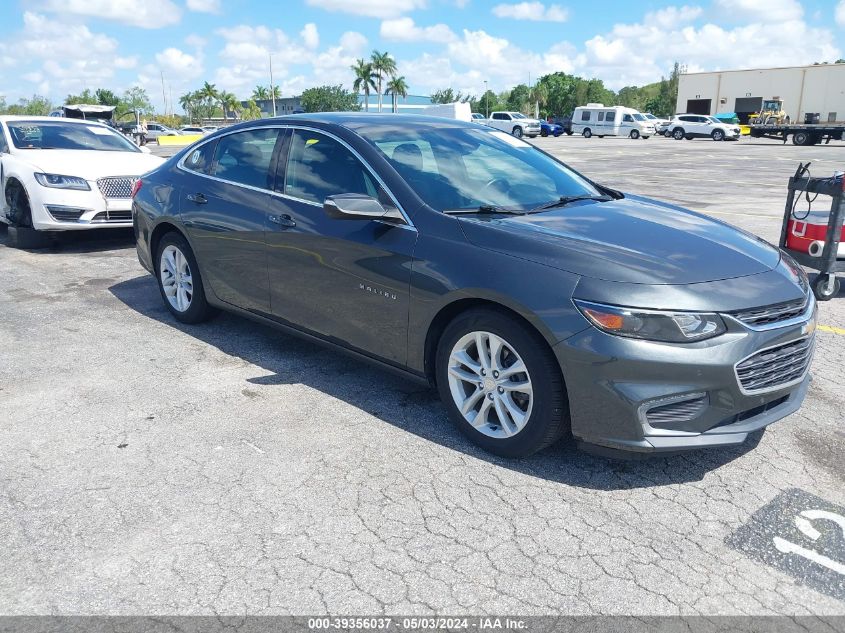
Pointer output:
x,y
826,284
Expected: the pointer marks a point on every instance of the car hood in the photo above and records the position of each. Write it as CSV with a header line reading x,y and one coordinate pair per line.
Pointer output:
x,y
91,164
634,240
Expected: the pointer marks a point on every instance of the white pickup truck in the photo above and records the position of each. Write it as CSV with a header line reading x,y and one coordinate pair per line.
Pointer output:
x,y
514,123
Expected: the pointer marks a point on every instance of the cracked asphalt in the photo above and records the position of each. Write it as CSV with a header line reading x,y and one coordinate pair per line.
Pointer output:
x,y
153,468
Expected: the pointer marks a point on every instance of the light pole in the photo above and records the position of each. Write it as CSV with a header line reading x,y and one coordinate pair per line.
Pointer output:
x,y
272,91
486,102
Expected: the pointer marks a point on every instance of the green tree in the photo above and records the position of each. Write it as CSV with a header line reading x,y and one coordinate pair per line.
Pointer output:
x,y
260,93
106,97
384,66
230,104
397,87
447,95
365,80
37,105
486,103
86,96
251,112
136,99
329,99
519,97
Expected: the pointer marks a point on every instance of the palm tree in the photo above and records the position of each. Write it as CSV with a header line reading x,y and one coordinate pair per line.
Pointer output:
x,y
188,101
230,103
397,87
364,80
384,66
260,93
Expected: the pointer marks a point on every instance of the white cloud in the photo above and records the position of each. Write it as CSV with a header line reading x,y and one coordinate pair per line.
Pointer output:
x,y
404,30
147,14
310,36
383,9
125,63
204,6
532,11
178,65
45,38
773,10
840,13
673,17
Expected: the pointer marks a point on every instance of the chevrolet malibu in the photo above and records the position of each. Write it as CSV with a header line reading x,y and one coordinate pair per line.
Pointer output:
x,y
67,174
538,302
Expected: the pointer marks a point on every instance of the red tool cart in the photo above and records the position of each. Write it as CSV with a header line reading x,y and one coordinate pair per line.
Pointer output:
x,y
813,236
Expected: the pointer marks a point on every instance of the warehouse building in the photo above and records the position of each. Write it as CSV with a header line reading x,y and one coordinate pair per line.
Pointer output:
x,y
818,89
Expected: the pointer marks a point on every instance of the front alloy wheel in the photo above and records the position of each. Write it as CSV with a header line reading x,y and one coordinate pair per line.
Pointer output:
x,y
490,384
501,383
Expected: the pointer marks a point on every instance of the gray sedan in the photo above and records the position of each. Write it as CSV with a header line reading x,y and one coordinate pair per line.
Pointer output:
x,y
539,303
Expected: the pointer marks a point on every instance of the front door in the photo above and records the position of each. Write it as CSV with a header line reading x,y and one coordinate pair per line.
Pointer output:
x,y
224,204
347,280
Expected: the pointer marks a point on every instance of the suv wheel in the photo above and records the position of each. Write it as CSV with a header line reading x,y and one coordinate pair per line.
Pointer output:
x,y
678,134
517,132
501,384
718,135
587,133
180,282
634,134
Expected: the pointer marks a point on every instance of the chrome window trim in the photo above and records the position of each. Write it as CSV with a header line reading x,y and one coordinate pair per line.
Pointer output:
x,y
804,317
792,383
181,165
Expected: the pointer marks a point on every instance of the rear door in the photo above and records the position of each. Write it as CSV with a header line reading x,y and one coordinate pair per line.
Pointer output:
x,y
224,204
347,280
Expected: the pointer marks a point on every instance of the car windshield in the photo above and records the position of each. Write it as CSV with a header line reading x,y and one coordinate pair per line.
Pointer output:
x,y
649,116
466,168
64,135
639,117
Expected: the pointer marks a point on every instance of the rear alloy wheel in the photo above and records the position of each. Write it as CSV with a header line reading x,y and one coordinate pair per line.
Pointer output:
x,y
501,384
801,138
179,280
634,134
587,133
718,135
678,134
517,132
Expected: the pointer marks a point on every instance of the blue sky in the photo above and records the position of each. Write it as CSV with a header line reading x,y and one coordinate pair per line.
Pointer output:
x,y
55,47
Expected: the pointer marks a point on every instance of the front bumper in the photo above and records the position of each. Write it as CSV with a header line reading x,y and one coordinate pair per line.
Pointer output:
x,y
70,210
619,386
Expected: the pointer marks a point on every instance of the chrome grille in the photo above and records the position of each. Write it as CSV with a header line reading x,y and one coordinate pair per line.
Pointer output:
x,y
117,186
113,216
675,412
758,317
775,367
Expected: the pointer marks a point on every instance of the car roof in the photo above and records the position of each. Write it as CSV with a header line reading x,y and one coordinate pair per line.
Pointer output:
x,y
356,121
61,119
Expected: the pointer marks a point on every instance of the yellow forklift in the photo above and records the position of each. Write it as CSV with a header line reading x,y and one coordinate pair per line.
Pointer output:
x,y
771,113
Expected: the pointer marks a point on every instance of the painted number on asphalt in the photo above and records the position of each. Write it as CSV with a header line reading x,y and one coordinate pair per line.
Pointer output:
x,y
800,534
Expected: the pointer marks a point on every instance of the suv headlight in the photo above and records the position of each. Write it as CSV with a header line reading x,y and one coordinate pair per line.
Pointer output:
x,y
653,325
57,181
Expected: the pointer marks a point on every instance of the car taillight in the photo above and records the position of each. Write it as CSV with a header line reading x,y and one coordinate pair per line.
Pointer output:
x,y
136,188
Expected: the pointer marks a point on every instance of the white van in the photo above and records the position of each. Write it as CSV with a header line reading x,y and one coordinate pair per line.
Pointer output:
x,y
600,120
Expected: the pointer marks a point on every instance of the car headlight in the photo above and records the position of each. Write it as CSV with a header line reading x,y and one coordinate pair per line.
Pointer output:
x,y
57,181
653,325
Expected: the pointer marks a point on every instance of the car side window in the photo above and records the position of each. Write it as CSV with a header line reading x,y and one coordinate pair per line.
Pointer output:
x,y
200,159
686,119
318,166
4,144
628,118
610,117
601,116
244,157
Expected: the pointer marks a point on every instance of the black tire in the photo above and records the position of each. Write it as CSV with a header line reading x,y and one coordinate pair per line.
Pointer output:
x,y
198,310
601,135
20,214
678,134
549,418
688,137
718,135
517,131
587,133
569,133
543,133
634,134
645,138
820,287
801,138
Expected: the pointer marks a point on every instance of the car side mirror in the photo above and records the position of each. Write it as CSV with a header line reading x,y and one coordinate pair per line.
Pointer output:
x,y
356,206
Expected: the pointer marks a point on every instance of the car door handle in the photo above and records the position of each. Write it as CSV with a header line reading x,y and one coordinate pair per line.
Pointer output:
x,y
283,220
197,198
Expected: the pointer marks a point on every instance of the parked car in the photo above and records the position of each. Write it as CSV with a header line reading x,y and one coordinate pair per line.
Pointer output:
x,y
478,117
514,123
208,129
192,131
657,122
595,119
538,301
66,174
550,129
155,130
565,122
690,126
